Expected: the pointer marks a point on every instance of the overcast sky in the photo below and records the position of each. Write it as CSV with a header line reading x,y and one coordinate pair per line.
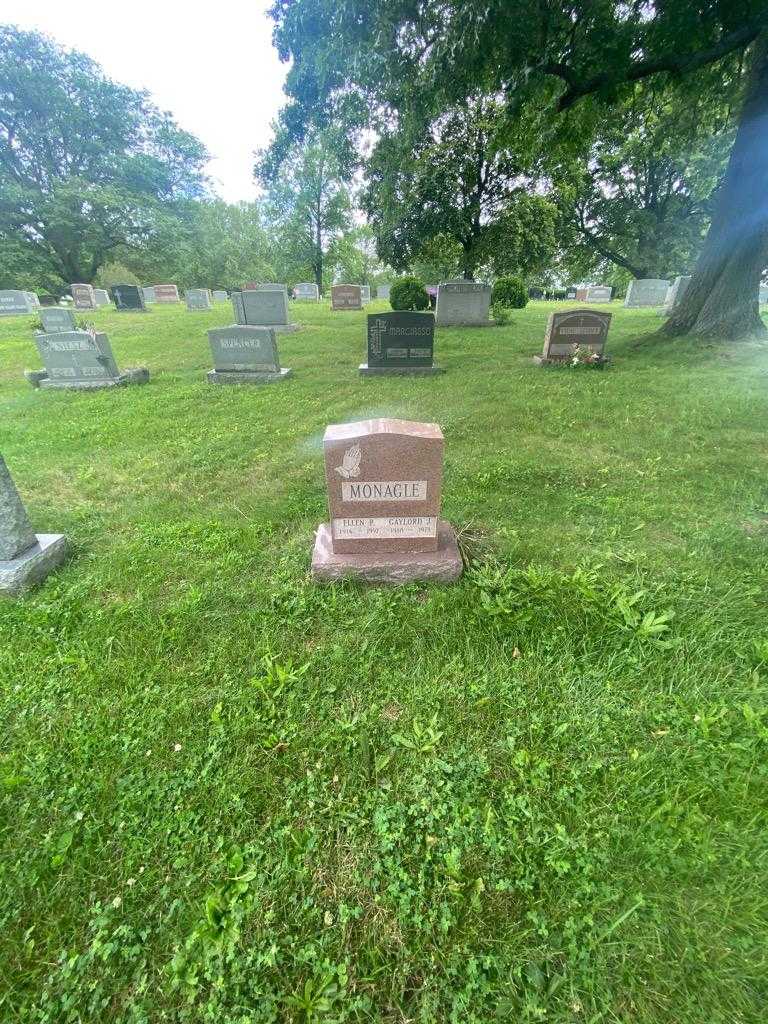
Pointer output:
x,y
213,66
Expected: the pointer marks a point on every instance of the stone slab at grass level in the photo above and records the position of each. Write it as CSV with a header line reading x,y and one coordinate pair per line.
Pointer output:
x,y
253,377
20,574
399,371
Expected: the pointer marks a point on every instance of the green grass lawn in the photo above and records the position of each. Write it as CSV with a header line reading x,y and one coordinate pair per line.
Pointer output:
x,y
232,796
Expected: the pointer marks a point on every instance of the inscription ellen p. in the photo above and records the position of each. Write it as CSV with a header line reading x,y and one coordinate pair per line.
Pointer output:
x,y
384,527
384,490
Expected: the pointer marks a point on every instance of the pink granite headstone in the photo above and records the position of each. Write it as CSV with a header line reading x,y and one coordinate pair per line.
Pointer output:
x,y
346,296
166,293
384,479
84,296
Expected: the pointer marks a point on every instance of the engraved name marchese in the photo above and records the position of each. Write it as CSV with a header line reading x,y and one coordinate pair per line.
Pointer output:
x,y
384,490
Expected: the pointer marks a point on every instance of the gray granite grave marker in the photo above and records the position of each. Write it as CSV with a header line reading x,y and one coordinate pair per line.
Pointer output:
x,y
219,295
149,295
675,292
463,303
102,296
26,558
15,303
576,327
306,292
56,319
263,307
650,291
365,294
599,293
400,343
382,291
80,360
245,355
198,298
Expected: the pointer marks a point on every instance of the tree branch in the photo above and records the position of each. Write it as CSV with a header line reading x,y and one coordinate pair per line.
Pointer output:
x,y
674,63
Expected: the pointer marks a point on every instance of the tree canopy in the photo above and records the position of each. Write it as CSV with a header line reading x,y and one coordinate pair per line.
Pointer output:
x,y
380,64
87,165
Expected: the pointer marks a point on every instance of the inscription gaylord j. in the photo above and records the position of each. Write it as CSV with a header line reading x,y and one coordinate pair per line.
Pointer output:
x,y
385,490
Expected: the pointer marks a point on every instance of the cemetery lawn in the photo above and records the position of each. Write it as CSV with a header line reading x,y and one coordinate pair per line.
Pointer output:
x,y
231,796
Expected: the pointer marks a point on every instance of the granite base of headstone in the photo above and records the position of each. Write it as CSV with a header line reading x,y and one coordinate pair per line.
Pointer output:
x,y
384,479
463,304
26,558
80,361
575,337
245,355
400,344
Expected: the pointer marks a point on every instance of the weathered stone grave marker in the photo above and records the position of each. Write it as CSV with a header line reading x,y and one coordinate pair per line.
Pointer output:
x,y
56,319
572,331
26,558
80,360
83,295
384,479
463,303
306,292
346,296
675,292
400,343
198,298
219,295
102,296
599,293
365,294
15,303
382,291
149,295
650,291
245,355
129,298
265,306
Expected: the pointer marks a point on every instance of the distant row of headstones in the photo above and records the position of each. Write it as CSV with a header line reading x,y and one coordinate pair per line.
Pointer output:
x,y
246,351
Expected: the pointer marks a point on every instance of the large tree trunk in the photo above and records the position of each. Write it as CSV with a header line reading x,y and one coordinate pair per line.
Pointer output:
x,y
722,297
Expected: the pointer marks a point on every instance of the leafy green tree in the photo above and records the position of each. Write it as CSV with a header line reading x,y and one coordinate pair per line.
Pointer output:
x,y
354,259
87,166
308,204
639,195
209,244
571,63
409,293
457,180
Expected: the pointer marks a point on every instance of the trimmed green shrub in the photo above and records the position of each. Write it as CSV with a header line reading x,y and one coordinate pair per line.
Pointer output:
x,y
408,293
510,292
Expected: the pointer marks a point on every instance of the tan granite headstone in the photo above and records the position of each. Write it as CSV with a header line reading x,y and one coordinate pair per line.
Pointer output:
x,y
346,296
384,479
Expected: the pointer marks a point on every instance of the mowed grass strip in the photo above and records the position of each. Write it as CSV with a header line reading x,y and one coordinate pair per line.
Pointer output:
x,y
229,795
